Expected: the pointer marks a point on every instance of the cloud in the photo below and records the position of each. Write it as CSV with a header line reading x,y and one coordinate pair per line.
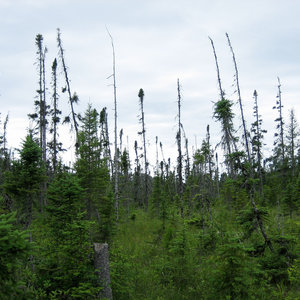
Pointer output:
x,y
156,42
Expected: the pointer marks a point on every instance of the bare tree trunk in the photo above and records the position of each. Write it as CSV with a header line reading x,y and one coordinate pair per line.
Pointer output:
x,y
240,103
217,175
116,155
101,264
73,99
281,121
188,171
44,110
178,137
156,150
218,70
55,114
258,134
105,139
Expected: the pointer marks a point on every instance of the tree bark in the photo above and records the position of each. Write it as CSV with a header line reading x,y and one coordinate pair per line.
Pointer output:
x,y
101,264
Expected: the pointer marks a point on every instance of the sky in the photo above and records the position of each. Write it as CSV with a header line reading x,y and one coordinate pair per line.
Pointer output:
x,y
156,43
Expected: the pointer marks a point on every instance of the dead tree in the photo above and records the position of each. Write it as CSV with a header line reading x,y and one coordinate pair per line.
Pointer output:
x,y
72,99
116,154
179,160
101,264
250,176
104,138
143,133
240,103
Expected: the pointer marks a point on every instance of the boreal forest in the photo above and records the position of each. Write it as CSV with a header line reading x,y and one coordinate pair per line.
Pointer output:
x,y
219,222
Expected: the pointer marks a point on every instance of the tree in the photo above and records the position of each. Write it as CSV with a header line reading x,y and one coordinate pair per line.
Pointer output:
x,y
116,154
72,99
257,141
14,252
40,104
64,265
240,103
94,177
143,134
55,146
235,274
223,113
179,159
104,138
23,182
279,149
292,138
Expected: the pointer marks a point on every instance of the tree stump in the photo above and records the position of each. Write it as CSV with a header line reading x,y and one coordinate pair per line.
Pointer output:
x,y
101,264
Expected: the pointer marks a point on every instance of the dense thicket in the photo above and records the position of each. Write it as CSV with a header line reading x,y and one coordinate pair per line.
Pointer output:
x,y
184,231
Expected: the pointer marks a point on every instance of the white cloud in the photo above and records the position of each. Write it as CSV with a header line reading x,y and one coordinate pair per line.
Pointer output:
x,y
156,42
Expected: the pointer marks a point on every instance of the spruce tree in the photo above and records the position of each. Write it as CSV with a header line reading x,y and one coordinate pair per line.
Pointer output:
x,y
55,146
257,141
23,182
143,134
64,265
14,253
93,174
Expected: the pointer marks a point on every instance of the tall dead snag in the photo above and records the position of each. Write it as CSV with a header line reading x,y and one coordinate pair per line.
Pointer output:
x,y
104,138
72,99
156,152
137,177
222,94
116,155
179,160
240,103
209,152
188,168
250,176
143,133
279,141
224,114
101,264
217,175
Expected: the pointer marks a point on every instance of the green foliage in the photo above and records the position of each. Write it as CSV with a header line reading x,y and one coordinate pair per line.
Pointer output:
x,y
291,197
276,264
14,252
94,178
23,182
64,254
235,274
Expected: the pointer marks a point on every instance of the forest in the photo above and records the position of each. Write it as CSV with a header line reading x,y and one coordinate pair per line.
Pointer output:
x,y
204,227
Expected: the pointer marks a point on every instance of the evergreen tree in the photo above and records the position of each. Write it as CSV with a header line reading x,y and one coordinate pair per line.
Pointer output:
x,y
279,149
14,253
40,104
64,265
257,141
93,175
143,134
179,159
23,181
55,146
292,142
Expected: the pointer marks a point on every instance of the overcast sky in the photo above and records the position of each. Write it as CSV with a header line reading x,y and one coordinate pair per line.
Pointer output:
x,y
156,42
